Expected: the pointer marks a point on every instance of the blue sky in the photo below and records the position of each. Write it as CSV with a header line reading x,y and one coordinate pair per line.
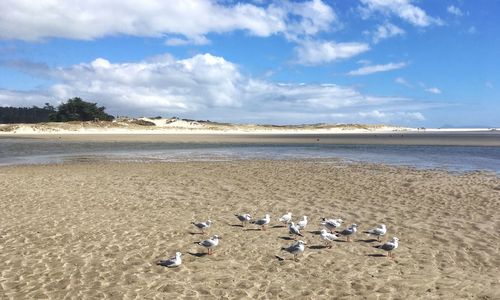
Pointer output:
x,y
413,63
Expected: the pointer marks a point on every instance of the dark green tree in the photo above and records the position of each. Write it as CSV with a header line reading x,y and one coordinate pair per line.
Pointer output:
x,y
76,109
9,115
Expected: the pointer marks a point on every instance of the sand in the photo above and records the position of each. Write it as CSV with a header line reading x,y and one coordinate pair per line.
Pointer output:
x,y
97,230
458,138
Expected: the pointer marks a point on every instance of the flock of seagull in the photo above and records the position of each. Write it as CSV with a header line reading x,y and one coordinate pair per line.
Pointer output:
x,y
328,234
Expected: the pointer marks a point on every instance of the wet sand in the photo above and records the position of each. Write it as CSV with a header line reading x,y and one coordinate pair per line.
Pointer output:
x,y
89,230
460,138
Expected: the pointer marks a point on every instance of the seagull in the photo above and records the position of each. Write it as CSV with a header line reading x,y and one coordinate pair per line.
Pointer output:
x,y
295,248
331,224
263,222
377,231
390,246
302,223
349,231
328,237
210,243
286,218
294,229
202,225
244,218
173,261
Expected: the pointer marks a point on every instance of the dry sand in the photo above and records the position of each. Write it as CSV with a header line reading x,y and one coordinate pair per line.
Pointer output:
x,y
88,231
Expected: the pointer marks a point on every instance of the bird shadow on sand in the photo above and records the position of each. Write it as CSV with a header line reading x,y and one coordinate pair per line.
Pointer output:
x,y
287,238
280,258
318,232
376,255
318,247
195,233
198,254
366,240
236,225
278,226
340,241
252,229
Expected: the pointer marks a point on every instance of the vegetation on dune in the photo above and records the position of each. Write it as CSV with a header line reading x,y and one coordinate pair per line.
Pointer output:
x,y
74,109
11,115
78,110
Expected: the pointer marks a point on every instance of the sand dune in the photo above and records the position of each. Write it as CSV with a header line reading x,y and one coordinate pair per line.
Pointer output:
x,y
97,230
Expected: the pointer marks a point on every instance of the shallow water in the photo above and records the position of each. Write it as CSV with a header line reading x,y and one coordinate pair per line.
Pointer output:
x,y
455,158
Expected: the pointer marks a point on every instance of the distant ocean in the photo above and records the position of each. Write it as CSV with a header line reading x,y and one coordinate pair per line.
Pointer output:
x,y
454,158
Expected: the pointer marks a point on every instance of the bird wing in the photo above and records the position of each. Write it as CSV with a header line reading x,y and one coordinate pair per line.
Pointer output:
x,y
388,246
207,243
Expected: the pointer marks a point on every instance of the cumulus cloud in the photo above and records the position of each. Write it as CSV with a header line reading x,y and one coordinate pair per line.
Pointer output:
x,y
376,69
189,19
454,10
204,86
311,52
404,9
386,31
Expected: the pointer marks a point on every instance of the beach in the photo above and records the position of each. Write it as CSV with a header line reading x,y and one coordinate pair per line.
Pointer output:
x,y
97,230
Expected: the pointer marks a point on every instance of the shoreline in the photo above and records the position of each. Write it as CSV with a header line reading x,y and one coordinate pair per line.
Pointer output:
x,y
441,138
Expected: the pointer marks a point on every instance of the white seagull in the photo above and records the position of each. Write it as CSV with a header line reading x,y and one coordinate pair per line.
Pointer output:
x,y
331,224
295,248
210,243
294,229
202,225
328,237
349,231
377,231
287,218
390,246
302,223
263,222
173,261
244,218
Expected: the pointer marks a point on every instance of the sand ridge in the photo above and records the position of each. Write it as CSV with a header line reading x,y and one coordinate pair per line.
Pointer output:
x,y
92,230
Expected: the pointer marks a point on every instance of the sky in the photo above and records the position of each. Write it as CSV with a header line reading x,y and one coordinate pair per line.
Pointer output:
x,y
401,62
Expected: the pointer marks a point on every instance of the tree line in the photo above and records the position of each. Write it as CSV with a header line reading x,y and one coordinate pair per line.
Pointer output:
x,y
75,109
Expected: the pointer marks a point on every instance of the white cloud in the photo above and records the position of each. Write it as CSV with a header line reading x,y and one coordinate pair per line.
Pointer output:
x,y
180,41
433,90
204,86
311,52
386,31
377,68
189,19
389,116
402,81
454,10
472,30
164,83
401,8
